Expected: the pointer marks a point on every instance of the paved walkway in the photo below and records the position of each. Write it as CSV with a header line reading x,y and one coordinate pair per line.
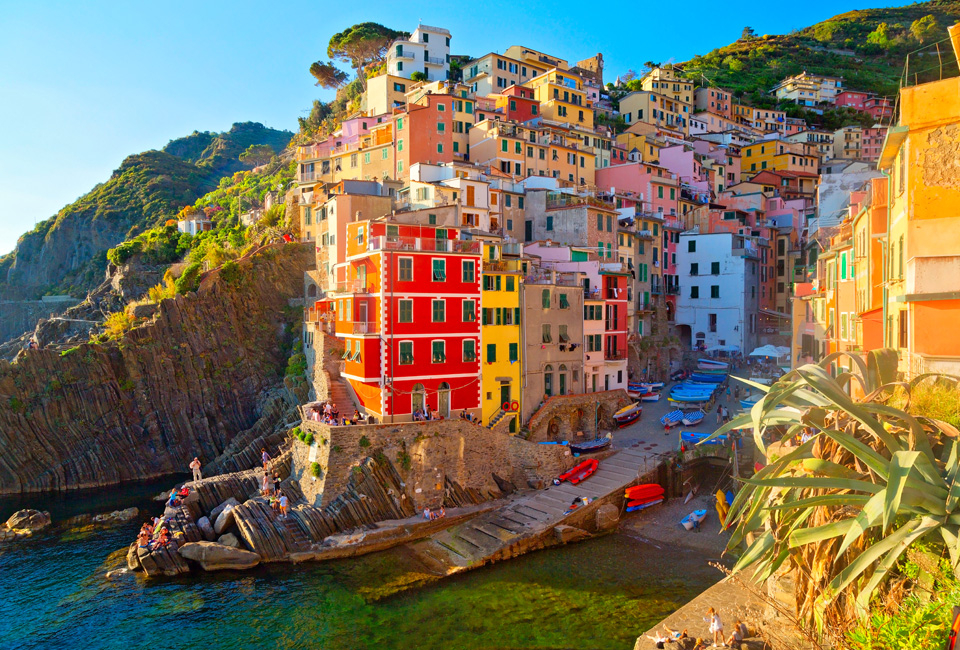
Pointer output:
x,y
487,536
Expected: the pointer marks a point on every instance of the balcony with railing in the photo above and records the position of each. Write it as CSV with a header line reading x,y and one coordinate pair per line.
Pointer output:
x,y
403,55
308,177
501,266
645,234
367,327
559,279
564,200
673,290
656,289
352,286
614,355
434,60
512,249
424,244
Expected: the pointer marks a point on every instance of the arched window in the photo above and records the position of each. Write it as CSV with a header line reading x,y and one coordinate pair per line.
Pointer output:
x,y
312,291
563,379
416,398
548,380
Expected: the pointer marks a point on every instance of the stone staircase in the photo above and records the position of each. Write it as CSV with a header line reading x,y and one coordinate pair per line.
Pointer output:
x,y
496,419
491,536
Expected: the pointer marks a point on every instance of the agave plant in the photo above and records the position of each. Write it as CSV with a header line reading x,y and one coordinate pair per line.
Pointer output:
x,y
855,484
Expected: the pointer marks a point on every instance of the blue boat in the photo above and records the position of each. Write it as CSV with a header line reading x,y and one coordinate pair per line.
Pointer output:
x,y
746,404
690,399
693,419
645,505
696,437
671,418
710,379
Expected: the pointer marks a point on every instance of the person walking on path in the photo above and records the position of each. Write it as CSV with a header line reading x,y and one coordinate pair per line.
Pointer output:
x,y
716,626
719,414
265,456
265,483
195,466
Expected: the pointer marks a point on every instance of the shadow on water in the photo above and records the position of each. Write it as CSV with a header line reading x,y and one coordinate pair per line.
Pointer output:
x,y
597,594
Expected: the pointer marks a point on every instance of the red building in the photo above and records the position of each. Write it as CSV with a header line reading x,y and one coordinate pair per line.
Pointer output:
x,y
672,227
615,301
408,318
517,103
852,99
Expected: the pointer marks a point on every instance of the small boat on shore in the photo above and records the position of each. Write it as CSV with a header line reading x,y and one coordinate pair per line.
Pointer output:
x,y
748,404
644,505
643,492
650,397
652,385
710,364
696,437
589,446
628,415
579,473
693,519
693,419
672,418
637,390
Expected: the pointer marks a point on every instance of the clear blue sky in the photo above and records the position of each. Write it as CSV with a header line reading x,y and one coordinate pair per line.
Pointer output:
x,y
84,84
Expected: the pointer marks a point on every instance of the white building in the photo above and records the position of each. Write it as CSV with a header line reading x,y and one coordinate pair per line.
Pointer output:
x,y
427,51
719,290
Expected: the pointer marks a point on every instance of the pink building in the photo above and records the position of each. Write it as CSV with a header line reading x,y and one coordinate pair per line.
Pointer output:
x,y
880,108
852,99
871,142
714,100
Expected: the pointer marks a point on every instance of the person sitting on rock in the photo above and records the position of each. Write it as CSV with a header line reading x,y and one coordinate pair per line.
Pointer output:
x,y
184,492
426,514
173,501
143,539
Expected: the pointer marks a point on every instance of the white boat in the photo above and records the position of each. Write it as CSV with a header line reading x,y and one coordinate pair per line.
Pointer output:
x,y
650,397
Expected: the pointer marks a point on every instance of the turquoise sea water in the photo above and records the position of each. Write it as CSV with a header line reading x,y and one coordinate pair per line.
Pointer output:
x,y
597,594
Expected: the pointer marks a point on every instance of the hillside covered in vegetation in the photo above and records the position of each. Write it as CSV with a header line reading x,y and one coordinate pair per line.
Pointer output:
x,y
868,48
67,253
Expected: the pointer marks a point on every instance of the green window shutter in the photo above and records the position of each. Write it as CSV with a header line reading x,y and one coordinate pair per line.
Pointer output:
x,y
516,315
514,352
545,298
491,352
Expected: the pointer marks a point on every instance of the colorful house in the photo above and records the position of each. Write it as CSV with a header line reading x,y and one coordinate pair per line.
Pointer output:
x,y
500,323
408,313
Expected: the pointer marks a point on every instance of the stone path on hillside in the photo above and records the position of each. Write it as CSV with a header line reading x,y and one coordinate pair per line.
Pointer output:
x,y
491,536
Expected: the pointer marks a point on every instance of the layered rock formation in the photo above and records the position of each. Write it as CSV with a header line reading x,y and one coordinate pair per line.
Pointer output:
x,y
185,384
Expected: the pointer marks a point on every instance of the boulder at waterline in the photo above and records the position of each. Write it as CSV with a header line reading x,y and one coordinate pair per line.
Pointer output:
x,y
214,557
220,508
31,520
117,516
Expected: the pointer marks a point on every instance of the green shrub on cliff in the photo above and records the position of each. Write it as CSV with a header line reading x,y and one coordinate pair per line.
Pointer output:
x,y
297,363
230,273
189,280
315,470
364,442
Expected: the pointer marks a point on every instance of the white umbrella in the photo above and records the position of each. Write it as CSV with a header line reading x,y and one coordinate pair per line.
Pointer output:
x,y
765,351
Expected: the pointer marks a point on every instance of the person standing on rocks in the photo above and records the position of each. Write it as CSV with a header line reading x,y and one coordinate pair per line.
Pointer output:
x,y
195,466
265,456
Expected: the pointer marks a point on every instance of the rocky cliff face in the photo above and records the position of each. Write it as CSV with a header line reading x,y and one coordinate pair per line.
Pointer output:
x,y
185,384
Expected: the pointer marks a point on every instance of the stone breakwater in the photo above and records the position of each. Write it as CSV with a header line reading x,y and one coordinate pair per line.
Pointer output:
x,y
190,382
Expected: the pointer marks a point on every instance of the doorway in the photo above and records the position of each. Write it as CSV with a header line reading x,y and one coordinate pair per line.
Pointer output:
x,y
443,397
416,398
505,395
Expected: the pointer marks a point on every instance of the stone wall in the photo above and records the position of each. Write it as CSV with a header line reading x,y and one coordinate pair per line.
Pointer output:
x,y
184,384
437,460
562,417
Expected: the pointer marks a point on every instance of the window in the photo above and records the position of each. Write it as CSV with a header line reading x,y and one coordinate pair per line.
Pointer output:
x,y
400,145
715,291
659,191
469,311
514,352
903,339
549,223
439,311
694,268
469,271
691,245
438,352
545,298
564,304
491,352
694,291
432,219
843,325
366,158
405,311
400,88
562,334
440,147
546,338
600,222
439,270
712,322
441,107
406,353
510,283
714,268
503,145
405,272
440,127
548,380
469,350
491,282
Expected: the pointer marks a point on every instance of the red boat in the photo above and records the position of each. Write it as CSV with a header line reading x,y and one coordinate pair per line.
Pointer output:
x,y
643,492
580,472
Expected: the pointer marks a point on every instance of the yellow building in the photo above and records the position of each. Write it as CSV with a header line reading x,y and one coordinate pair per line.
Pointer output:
x,y
501,363
562,98
642,138
666,101
779,155
384,93
922,304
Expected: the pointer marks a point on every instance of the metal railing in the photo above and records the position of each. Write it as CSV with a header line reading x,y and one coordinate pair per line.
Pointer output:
x,y
351,286
435,60
368,327
425,244
614,355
